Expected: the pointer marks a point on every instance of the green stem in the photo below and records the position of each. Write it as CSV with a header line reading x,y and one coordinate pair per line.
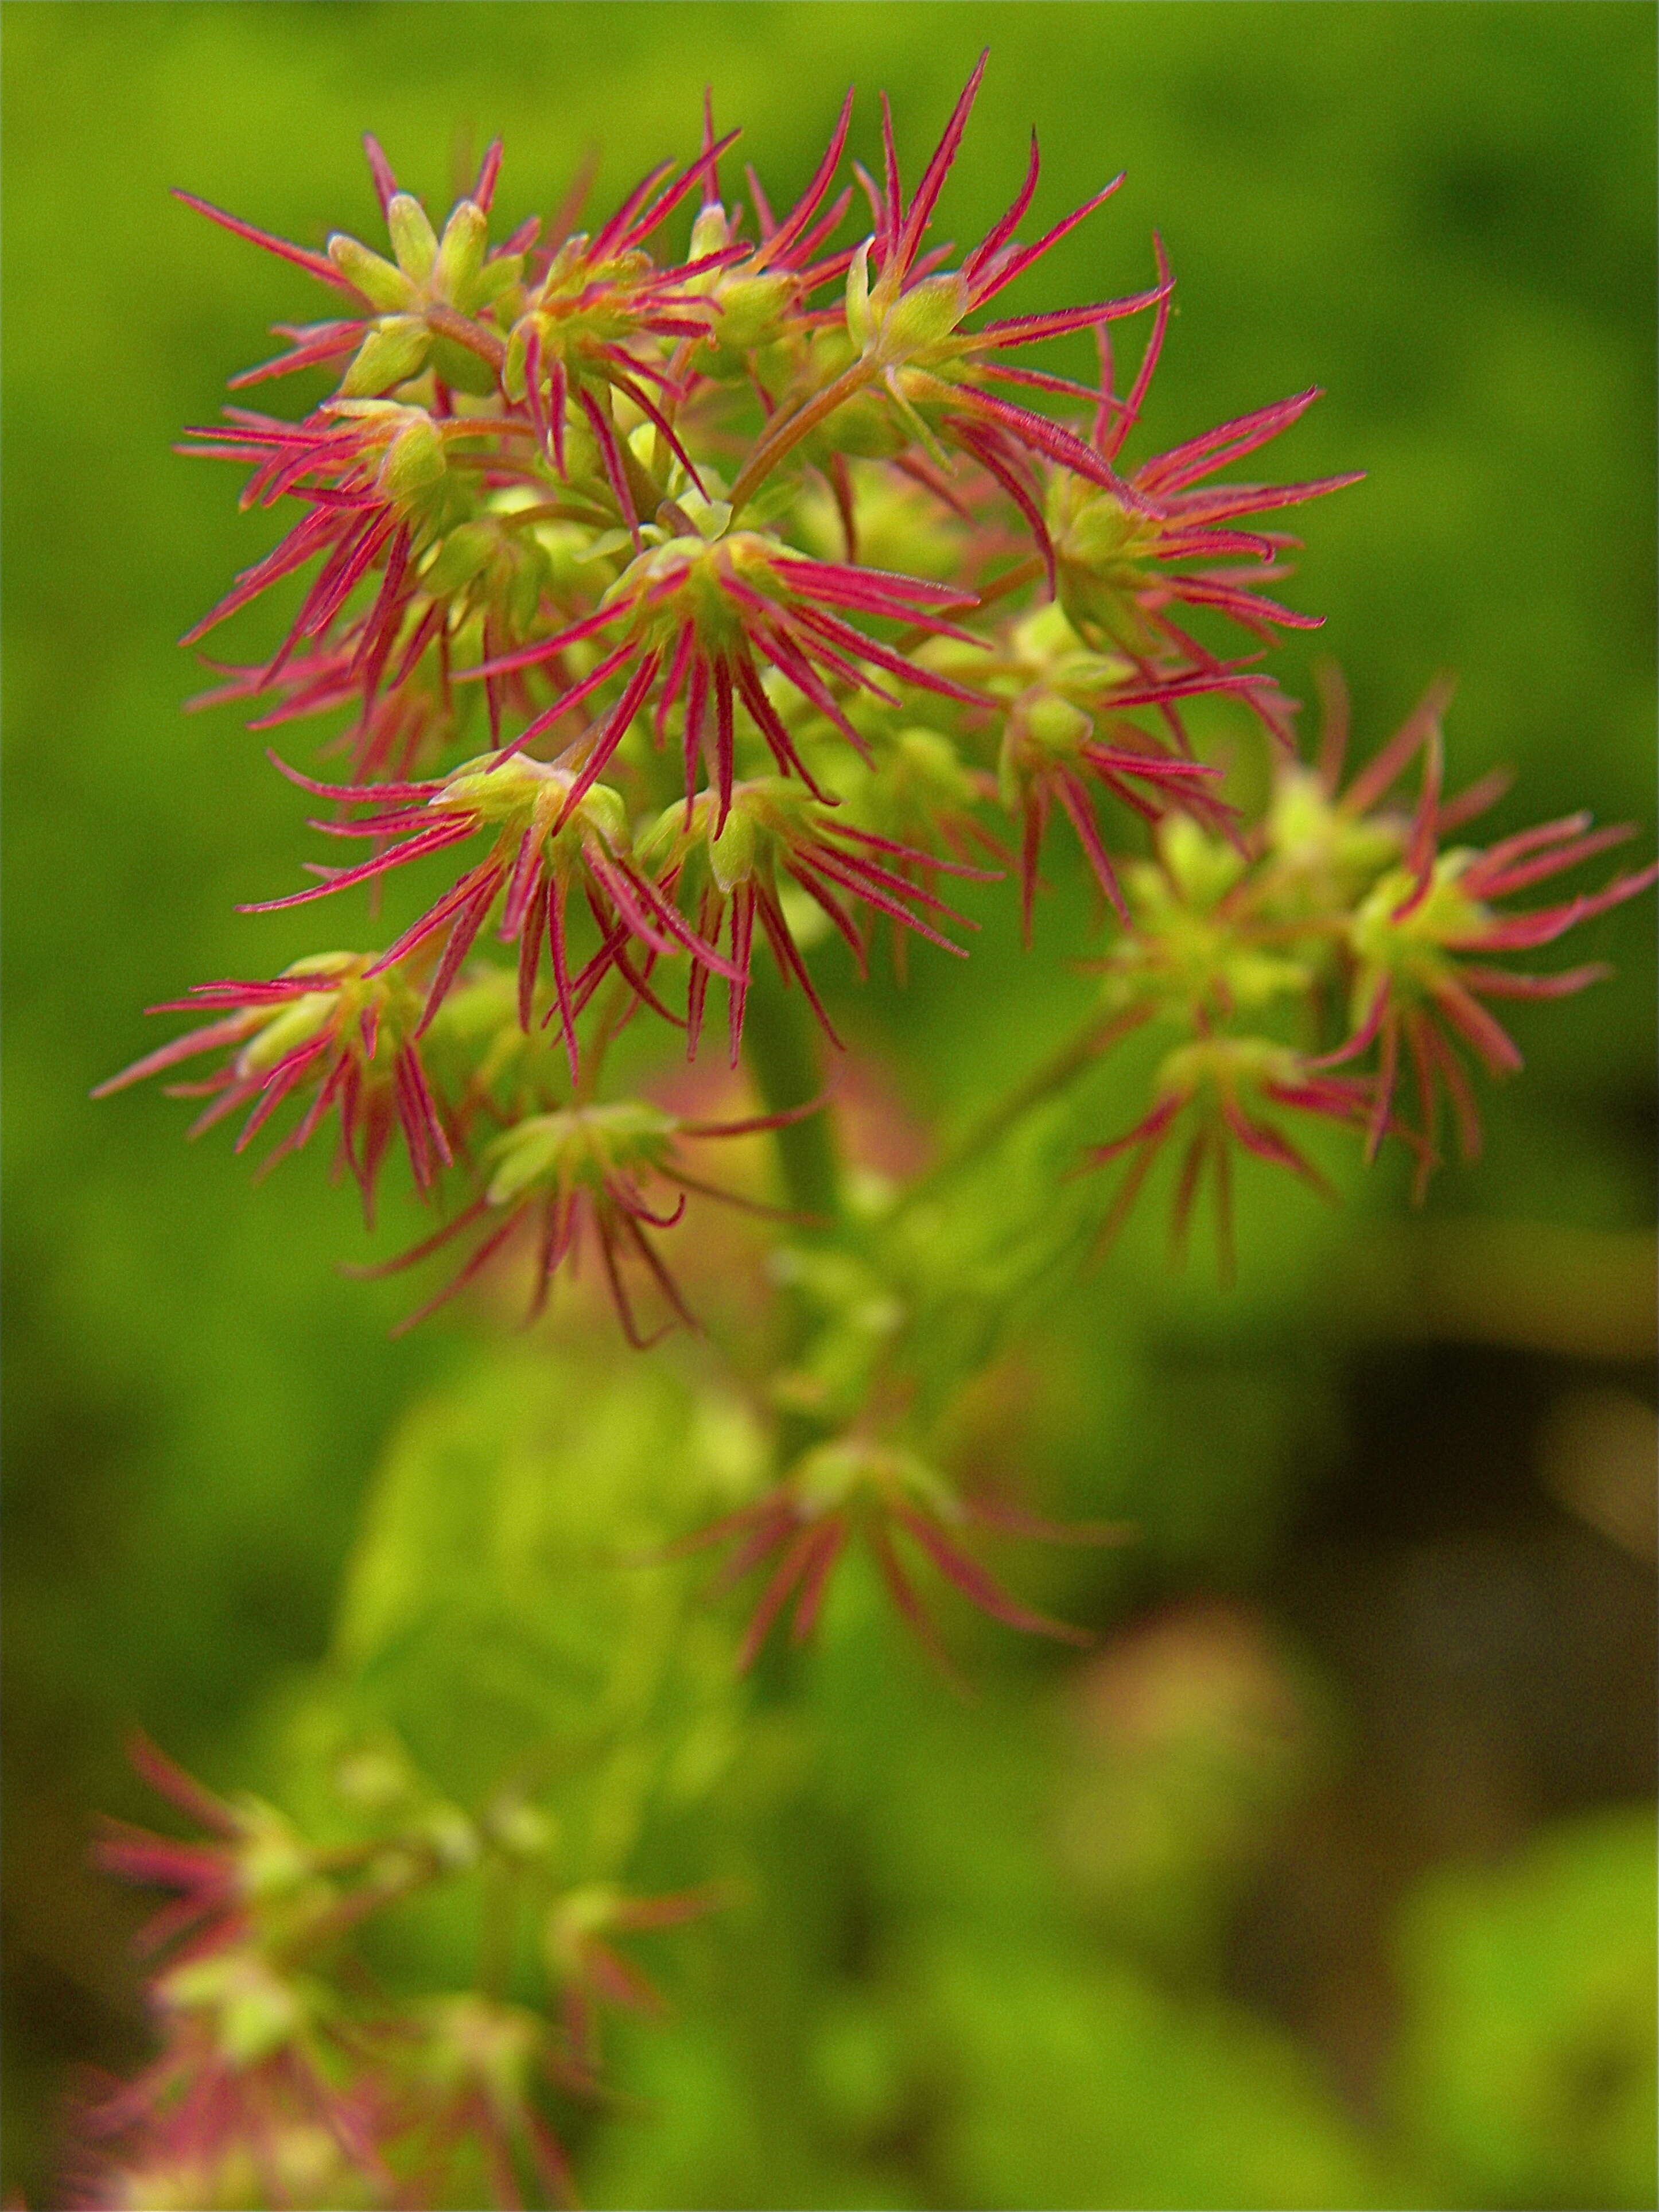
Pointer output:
x,y
1073,1059
498,1914
449,323
612,1009
784,436
779,1046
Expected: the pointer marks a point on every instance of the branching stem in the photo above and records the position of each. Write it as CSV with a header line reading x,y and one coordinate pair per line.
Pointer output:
x,y
783,437
1097,1035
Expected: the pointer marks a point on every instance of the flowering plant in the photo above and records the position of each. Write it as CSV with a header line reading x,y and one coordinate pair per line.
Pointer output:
x,y
757,586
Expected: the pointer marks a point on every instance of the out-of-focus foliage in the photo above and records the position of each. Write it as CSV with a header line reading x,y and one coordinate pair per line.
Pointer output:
x,y
1527,2063
970,1956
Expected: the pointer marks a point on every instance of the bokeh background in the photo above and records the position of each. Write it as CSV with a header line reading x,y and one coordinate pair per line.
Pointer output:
x,y
1329,1880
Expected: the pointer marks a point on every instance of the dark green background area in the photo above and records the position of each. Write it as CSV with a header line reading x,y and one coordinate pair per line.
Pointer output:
x,y
1442,214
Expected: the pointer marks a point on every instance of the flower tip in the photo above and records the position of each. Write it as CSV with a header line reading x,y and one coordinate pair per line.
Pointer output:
x,y
483,190
386,183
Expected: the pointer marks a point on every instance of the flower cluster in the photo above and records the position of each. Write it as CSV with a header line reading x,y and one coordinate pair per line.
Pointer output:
x,y
853,1488
287,2076
766,576
700,585
1343,912
755,595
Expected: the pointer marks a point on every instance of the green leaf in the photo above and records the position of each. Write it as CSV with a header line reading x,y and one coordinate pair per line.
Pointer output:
x,y
508,1594
1527,2066
1083,2084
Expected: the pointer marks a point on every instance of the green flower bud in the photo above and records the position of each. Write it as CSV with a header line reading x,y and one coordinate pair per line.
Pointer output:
x,y
377,1777
580,1146
1316,838
413,239
295,1025
731,854
1227,1063
1384,940
1205,868
580,1914
381,284
522,1830
255,2012
861,321
514,381
1055,724
495,279
473,2039
459,557
451,1835
750,308
393,351
275,1860
603,808
829,1476
461,256
414,461
923,317
709,232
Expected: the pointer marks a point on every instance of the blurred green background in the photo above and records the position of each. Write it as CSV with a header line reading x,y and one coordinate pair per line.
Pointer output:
x,y
1330,1880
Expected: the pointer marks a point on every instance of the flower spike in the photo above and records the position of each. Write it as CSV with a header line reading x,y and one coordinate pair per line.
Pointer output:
x,y
603,1174
545,845
731,865
853,1488
339,1030
1208,1083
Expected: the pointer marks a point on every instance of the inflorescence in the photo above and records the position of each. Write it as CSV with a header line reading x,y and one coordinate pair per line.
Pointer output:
x,y
700,608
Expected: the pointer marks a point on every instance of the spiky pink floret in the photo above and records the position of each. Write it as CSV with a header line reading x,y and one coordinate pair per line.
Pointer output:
x,y
355,523
1223,1121
1137,768
533,864
612,1210
195,2112
777,610
396,728
1167,521
357,1062
950,371
1432,1005
803,1540
594,1973
208,1876
837,865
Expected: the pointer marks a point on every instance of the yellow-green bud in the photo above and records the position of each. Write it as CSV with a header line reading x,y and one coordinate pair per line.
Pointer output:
x,y
414,461
1055,724
393,351
461,255
494,278
295,1025
382,284
731,854
709,232
861,322
463,552
923,317
255,2012
749,308
413,239
578,1914
1226,1062
1205,868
